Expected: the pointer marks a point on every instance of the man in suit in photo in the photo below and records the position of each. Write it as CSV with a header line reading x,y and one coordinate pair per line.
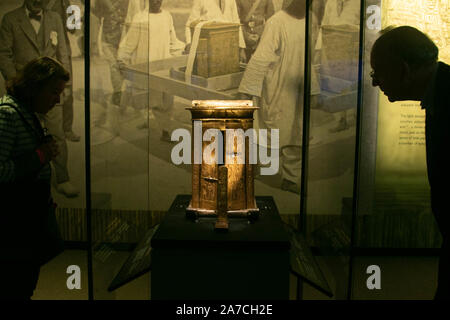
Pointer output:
x,y
60,7
27,33
405,66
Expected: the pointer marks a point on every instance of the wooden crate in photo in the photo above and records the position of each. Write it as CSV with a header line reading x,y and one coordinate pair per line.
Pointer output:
x,y
218,49
340,52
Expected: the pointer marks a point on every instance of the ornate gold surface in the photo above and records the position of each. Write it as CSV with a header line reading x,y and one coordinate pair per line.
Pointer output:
x,y
223,190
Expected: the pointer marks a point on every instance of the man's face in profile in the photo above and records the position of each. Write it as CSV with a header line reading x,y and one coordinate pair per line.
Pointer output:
x,y
388,73
34,6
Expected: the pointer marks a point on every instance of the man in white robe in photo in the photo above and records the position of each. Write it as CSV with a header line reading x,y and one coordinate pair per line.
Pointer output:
x,y
134,7
150,37
275,76
215,10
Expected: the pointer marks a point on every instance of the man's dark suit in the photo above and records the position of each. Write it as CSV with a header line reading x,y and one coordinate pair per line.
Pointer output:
x,y
438,164
60,7
19,44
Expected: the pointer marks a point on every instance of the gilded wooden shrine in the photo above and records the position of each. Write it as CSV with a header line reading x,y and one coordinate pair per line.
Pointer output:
x,y
223,185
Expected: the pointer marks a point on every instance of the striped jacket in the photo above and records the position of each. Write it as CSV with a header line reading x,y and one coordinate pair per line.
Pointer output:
x,y
18,142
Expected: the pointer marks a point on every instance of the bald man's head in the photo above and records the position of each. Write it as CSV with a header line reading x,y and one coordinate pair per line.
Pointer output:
x,y
397,58
408,44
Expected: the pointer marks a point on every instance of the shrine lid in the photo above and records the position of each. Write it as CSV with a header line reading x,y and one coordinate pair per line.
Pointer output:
x,y
223,104
222,109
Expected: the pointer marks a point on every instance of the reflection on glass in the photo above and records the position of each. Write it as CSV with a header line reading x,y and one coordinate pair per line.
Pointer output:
x,y
30,29
334,59
402,196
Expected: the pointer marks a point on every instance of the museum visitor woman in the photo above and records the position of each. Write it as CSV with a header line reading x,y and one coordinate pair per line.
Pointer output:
x,y
29,235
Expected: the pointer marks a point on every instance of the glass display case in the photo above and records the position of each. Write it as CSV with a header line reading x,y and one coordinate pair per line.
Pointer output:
x,y
346,168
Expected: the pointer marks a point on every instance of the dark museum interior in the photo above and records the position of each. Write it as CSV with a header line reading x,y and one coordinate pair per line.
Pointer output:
x,y
331,200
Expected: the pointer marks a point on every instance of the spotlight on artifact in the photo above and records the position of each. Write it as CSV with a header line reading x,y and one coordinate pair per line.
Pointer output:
x,y
223,161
